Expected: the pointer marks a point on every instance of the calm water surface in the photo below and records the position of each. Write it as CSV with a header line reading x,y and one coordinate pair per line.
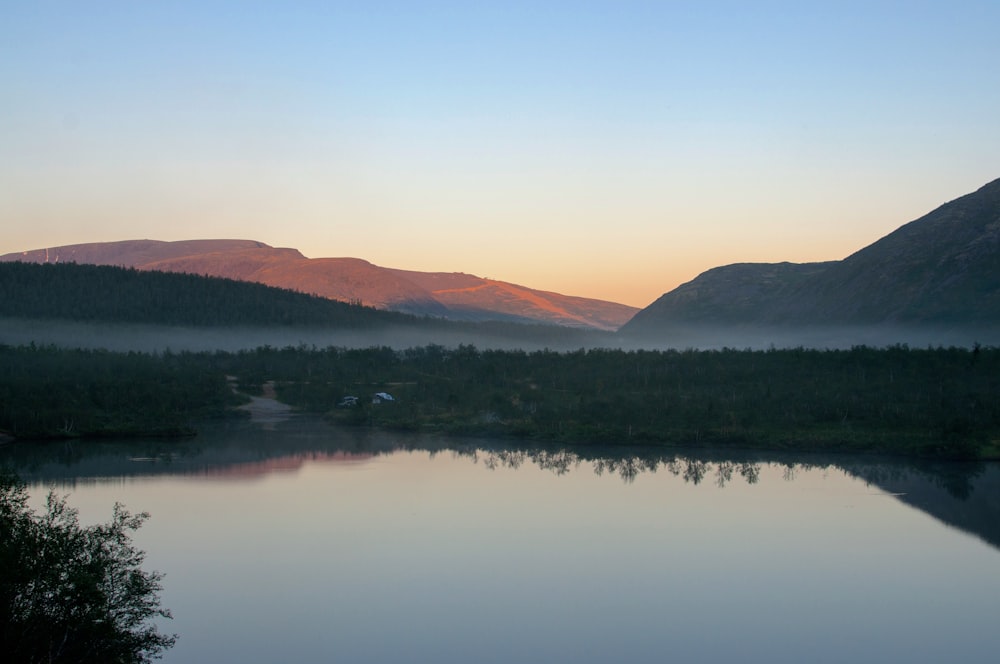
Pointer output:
x,y
300,542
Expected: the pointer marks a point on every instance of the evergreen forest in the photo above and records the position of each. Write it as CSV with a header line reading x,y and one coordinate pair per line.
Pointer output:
x,y
118,295
109,294
933,402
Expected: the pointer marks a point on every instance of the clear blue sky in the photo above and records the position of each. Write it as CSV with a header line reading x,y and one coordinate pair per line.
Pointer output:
x,y
603,149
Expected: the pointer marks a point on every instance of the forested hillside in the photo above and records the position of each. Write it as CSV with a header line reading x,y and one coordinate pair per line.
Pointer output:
x,y
117,295
71,291
448,295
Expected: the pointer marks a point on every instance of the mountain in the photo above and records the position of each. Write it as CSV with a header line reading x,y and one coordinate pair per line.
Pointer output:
x,y
79,305
468,297
943,268
453,296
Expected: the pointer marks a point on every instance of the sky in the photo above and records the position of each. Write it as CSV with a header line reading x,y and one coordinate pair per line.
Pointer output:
x,y
611,150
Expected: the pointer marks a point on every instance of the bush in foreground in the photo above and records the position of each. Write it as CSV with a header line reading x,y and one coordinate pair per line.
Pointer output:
x,y
70,593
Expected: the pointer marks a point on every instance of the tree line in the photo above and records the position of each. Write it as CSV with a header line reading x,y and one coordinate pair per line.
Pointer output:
x,y
938,402
931,402
48,392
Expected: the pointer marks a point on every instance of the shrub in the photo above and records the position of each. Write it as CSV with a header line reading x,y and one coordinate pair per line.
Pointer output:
x,y
70,593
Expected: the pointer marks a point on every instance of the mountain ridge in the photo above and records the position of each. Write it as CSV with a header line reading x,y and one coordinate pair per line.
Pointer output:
x,y
942,268
455,296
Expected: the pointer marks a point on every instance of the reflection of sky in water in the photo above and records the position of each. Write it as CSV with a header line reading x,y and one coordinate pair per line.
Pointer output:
x,y
417,557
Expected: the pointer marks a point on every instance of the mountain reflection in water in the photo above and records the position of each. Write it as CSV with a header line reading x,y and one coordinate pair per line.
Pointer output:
x,y
963,495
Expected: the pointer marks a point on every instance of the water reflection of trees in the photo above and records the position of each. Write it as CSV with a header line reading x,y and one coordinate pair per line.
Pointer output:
x,y
956,479
240,444
960,494
693,470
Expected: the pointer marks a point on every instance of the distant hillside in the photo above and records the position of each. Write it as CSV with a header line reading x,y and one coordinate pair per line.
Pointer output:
x,y
731,293
453,296
943,268
107,295
468,297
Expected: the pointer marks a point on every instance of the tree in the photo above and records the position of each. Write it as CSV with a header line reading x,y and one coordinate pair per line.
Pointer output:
x,y
70,593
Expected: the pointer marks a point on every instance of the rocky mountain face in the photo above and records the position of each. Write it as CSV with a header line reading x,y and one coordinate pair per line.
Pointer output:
x,y
943,268
446,295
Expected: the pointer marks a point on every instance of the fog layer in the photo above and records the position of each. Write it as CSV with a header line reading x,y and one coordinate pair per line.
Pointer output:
x,y
151,338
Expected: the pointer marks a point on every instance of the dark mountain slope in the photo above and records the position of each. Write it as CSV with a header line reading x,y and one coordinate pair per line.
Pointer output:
x,y
942,268
728,294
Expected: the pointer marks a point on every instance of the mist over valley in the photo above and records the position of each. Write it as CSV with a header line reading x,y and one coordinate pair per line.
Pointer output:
x,y
933,282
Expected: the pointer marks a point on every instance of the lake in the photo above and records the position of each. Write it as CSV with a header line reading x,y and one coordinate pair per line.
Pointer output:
x,y
295,541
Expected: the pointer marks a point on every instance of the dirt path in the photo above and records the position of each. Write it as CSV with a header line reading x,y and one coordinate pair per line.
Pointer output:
x,y
265,410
